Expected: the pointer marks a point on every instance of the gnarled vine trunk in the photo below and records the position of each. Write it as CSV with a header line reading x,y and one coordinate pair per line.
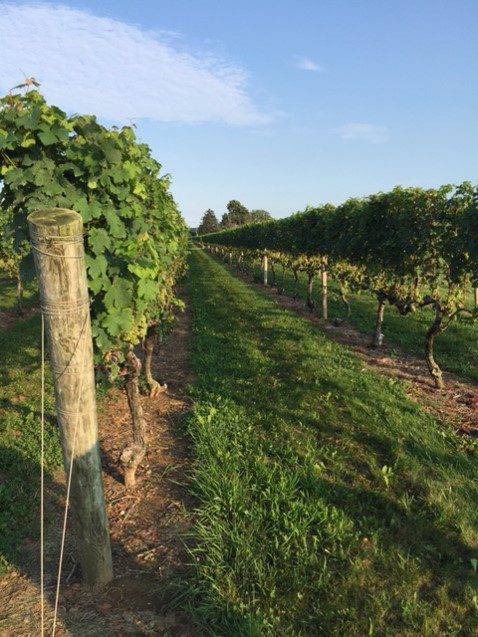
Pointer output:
x,y
19,295
348,311
433,330
280,289
310,287
377,339
296,282
273,277
133,454
149,343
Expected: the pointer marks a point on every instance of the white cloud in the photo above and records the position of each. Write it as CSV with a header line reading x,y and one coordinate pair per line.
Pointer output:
x,y
88,64
364,132
308,65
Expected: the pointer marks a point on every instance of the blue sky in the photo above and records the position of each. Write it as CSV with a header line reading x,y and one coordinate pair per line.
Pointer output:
x,y
279,104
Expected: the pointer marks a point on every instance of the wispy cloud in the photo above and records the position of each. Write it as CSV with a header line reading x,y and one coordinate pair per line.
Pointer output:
x,y
364,132
308,65
118,71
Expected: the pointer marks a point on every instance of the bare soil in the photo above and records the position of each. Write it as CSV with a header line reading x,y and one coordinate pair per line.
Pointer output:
x,y
148,527
11,316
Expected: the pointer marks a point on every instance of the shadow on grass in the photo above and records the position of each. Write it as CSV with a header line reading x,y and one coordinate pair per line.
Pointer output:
x,y
386,464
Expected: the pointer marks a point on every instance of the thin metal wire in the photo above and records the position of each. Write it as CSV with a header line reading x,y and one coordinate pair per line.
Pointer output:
x,y
70,473
65,239
42,476
60,309
60,256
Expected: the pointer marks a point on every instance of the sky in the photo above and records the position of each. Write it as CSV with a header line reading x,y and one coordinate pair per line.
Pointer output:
x,y
277,103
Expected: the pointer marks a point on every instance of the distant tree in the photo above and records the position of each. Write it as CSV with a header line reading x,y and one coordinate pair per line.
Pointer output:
x,y
209,223
260,216
236,215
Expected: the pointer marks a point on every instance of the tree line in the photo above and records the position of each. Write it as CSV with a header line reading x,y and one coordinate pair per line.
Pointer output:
x,y
237,215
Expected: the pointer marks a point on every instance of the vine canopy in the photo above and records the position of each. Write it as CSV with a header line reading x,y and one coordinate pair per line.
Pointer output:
x,y
135,237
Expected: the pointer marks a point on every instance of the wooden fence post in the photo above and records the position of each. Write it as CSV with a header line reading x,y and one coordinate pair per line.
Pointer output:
x,y
475,295
324,295
57,240
264,268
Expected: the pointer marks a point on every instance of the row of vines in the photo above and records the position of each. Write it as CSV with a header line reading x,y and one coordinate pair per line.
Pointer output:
x,y
135,238
410,247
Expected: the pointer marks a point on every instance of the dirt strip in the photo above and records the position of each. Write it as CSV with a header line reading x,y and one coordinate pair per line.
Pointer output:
x,y
9,317
147,527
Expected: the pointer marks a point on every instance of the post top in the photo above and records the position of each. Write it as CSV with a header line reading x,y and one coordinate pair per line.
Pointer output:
x,y
56,222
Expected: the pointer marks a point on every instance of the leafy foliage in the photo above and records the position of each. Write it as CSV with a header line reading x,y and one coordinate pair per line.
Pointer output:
x,y
135,238
410,247
259,216
9,260
236,215
209,223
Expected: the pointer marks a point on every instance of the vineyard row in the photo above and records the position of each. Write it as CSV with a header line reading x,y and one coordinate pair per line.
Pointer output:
x,y
410,247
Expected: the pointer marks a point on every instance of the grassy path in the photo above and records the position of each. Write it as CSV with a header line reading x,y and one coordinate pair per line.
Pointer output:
x,y
330,504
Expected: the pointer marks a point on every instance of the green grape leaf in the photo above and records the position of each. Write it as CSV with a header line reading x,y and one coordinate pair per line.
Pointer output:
x,y
118,321
115,225
120,294
147,289
96,265
47,137
99,240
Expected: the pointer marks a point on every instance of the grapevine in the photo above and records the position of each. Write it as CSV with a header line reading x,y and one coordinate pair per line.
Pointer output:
x,y
135,237
410,247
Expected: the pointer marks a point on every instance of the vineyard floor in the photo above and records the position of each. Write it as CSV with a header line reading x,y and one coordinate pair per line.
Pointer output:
x,y
316,497
330,503
456,350
10,313
147,527
456,405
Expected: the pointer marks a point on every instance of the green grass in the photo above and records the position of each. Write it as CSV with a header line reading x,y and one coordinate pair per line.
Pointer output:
x,y
329,503
20,437
456,350
8,294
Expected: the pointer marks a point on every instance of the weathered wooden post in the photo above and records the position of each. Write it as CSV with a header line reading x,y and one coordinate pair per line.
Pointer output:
x,y
475,295
324,295
57,241
264,268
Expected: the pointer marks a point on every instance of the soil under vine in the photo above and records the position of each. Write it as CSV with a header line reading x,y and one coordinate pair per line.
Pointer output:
x,y
148,527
